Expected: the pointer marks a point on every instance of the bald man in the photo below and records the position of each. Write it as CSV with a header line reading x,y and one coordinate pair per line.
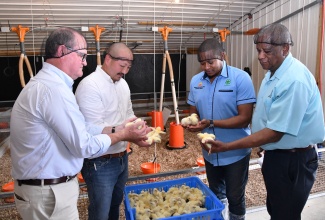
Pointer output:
x,y
104,99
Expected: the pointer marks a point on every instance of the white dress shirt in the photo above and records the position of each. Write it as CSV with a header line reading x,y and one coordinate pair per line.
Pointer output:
x,y
48,134
104,103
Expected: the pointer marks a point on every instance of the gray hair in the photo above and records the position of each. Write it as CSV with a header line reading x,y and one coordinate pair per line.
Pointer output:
x,y
61,36
275,34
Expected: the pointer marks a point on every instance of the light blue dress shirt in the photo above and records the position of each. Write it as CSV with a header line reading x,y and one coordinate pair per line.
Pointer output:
x,y
290,102
48,136
219,100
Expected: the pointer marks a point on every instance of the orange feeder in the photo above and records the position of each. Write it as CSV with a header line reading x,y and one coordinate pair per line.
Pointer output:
x,y
81,180
176,137
157,119
8,187
128,148
200,163
150,168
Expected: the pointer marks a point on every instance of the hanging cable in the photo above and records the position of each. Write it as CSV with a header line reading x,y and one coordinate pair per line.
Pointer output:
x,y
34,55
180,54
302,30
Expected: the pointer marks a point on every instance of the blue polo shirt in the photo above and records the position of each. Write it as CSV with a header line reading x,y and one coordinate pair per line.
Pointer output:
x,y
290,102
219,100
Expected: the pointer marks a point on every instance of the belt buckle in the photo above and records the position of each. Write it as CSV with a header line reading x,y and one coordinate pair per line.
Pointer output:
x,y
68,179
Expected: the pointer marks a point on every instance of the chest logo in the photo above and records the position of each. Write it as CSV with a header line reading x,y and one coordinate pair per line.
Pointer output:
x,y
199,86
227,82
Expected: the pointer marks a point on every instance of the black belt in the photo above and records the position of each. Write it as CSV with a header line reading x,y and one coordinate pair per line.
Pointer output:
x,y
108,156
38,182
294,150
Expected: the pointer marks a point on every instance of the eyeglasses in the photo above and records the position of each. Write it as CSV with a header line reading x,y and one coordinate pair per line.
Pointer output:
x,y
80,54
210,61
119,58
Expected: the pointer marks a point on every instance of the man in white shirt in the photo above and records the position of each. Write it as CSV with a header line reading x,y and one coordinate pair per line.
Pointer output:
x,y
48,134
105,100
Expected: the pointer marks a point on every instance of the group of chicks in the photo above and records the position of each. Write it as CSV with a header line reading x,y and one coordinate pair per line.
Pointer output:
x,y
194,120
160,204
153,136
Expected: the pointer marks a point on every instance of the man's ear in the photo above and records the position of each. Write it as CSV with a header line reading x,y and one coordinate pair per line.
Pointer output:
x,y
285,49
223,55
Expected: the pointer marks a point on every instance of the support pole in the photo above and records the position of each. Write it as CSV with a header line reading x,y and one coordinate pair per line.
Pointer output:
x,y
97,32
21,32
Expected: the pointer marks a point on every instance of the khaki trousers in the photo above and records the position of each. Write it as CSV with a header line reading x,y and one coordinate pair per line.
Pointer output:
x,y
55,202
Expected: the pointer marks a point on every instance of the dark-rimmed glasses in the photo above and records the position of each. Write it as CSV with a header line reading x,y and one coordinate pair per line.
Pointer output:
x,y
80,54
119,58
210,61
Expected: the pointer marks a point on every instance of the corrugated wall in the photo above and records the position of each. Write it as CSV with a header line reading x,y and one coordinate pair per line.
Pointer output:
x,y
304,27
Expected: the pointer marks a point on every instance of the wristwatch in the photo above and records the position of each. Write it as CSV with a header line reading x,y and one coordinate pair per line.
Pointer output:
x,y
211,124
113,129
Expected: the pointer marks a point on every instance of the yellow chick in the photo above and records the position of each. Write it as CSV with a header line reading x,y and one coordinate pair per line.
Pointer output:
x,y
190,120
133,122
206,136
154,135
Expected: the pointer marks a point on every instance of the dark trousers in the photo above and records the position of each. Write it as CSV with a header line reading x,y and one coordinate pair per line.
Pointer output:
x,y
229,182
289,177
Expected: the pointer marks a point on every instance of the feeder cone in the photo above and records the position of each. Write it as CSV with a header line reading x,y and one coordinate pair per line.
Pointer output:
x,y
150,168
8,187
128,148
200,162
81,180
176,136
157,119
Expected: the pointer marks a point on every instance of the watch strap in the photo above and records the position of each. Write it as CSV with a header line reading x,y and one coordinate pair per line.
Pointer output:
x,y
211,124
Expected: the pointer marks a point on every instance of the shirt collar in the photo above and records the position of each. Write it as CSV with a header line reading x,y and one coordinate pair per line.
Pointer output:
x,y
104,74
66,79
281,70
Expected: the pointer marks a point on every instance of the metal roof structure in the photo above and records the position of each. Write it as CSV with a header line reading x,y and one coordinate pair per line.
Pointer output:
x,y
131,21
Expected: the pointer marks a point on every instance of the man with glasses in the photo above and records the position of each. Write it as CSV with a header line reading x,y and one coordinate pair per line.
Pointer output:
x,y
49,137
223,96
287,122
105,100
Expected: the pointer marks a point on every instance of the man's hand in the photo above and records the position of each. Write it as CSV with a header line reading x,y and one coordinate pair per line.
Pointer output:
x,y
199,126
216,146
135,132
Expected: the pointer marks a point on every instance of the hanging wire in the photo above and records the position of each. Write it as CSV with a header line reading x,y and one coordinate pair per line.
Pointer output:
x,y
34,55
154,62
302,30
242,36
180,53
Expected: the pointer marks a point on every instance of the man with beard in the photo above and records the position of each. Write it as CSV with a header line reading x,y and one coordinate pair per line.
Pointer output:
x,y
104,99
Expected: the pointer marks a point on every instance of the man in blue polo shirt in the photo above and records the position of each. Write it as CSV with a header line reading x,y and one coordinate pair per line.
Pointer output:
x,y
223,97
287,122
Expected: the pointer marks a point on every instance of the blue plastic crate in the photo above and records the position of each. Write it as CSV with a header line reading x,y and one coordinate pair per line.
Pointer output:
x,y
212,203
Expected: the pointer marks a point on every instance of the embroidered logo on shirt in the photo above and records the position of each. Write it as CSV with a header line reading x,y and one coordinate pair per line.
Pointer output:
x,y
227,82
199,86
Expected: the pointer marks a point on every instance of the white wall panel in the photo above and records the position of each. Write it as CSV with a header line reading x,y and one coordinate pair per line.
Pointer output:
x,y
304,28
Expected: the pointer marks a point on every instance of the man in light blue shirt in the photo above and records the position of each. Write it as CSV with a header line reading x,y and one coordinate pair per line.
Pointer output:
x,y
223,97
48,134
287,122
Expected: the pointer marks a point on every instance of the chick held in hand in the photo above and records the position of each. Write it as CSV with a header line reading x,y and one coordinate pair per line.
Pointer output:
x,y
193,119
154,135
133,122
206,136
